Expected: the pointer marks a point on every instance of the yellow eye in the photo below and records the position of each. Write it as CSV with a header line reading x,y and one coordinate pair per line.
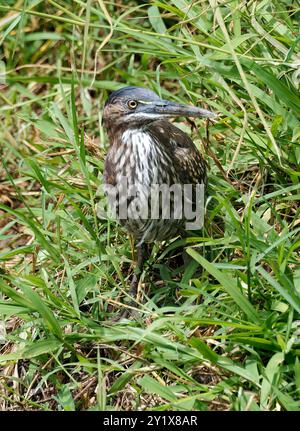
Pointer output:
x,y
132,104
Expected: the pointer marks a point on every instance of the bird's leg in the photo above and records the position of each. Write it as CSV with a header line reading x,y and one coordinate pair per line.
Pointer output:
x,y
186,258
142,252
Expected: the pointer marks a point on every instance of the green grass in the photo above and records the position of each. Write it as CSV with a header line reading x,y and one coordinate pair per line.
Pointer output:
x,y
224,331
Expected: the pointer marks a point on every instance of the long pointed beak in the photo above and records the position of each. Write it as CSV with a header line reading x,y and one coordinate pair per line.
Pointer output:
x,y
171,109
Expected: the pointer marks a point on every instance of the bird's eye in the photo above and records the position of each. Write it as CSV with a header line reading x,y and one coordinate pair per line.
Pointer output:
x,y
132,104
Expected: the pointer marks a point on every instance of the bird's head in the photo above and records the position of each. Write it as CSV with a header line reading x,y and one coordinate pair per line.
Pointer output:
x,y
137,106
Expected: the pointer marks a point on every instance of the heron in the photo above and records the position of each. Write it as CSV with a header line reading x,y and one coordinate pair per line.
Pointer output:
x,y
145,149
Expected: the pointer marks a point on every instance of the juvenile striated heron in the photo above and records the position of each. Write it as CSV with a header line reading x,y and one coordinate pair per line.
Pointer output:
x,y
146,149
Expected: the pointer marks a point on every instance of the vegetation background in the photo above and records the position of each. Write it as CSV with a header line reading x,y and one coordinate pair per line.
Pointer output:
x,y
222,332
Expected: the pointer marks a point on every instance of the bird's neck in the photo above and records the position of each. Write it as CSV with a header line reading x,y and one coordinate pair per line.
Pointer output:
x,y
118,131
137,156
139,144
